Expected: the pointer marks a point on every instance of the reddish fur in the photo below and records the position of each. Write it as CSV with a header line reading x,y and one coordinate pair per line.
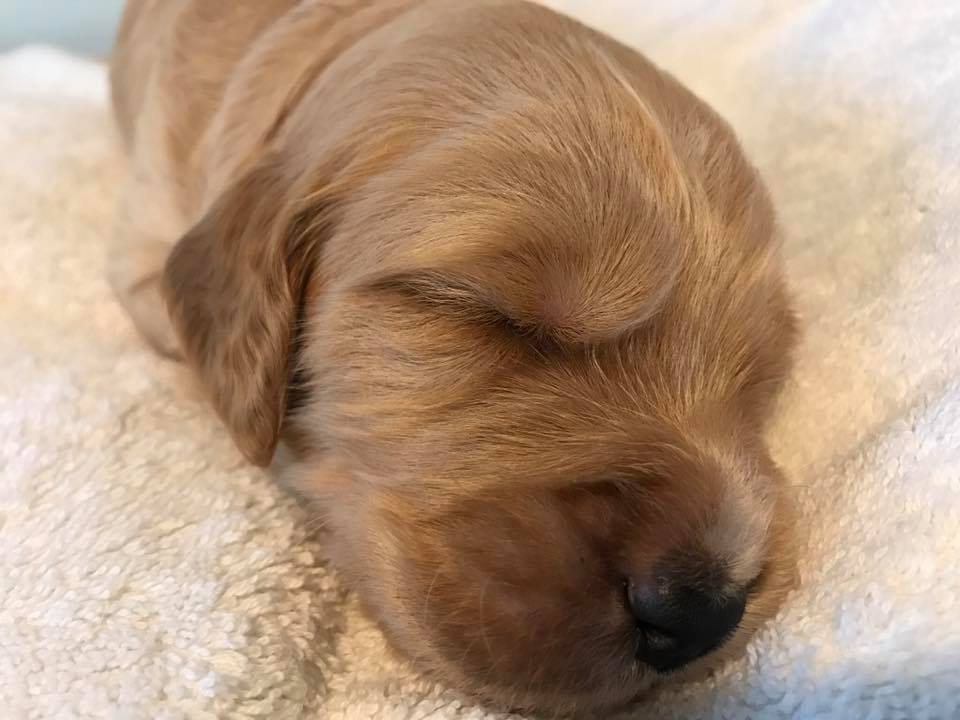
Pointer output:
x,y
530,292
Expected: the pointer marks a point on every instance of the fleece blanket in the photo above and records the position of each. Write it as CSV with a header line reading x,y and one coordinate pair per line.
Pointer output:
x,y
147,572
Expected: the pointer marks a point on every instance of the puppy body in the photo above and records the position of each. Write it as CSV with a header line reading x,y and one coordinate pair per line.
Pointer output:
x,y
512,294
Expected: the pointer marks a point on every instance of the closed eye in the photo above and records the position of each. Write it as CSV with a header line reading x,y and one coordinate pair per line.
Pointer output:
x,y
460,299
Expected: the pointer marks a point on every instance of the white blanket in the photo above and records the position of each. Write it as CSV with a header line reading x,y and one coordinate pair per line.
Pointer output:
x,y
147,572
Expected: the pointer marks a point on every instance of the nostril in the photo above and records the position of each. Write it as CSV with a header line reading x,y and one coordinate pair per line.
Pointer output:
x,y
654,641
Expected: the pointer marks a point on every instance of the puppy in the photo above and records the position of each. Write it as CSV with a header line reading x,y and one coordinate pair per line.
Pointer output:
x,y
513,296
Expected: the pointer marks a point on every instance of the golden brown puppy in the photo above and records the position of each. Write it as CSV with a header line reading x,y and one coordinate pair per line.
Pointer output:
x,y
514,296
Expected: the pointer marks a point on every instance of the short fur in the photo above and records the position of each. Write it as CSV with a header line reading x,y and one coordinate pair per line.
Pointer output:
x,y
512,294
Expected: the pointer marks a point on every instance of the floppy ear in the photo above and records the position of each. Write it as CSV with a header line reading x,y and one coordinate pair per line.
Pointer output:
x,y
233,286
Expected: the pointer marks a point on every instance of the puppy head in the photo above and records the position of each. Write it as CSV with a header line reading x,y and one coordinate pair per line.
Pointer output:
x,y
531,391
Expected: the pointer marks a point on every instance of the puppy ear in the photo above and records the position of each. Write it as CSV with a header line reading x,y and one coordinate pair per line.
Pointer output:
x,y
233,286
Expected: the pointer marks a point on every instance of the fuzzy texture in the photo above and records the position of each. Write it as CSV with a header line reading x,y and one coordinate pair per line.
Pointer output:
x,y
125,508
532,299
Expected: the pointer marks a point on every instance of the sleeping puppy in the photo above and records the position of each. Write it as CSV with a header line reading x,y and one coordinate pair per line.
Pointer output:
x,y
511,294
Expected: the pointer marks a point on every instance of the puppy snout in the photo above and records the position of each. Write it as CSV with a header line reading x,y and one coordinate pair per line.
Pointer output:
x,y
679,623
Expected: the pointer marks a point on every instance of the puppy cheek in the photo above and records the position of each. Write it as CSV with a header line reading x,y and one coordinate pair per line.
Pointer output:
x,y
478,600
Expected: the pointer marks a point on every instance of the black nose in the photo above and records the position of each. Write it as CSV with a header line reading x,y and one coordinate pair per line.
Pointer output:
x,y
679,624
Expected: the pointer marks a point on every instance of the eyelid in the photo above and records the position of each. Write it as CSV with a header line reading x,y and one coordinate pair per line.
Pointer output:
x,y
454,296
430,286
